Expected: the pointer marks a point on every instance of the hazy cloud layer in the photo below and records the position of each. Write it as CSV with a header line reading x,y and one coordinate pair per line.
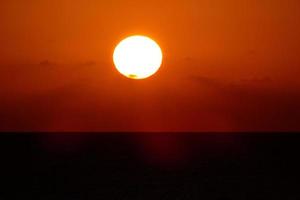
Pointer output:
x,y
86,97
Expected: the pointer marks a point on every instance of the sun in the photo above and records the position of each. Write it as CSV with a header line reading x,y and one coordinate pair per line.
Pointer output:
x,y
137,57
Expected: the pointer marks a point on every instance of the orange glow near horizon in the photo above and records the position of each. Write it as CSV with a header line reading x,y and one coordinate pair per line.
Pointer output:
x,y
227,65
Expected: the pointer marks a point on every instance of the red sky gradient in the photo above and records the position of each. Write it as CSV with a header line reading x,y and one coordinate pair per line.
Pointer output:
x,y
228,65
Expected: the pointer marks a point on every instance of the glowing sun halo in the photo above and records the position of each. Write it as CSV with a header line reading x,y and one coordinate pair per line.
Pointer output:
x,y
137,57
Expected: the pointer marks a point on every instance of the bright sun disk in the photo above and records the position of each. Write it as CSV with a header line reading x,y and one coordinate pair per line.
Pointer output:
x,y
137,57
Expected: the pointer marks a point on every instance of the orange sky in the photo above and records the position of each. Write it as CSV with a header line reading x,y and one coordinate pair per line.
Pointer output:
x,y
68,30
224,61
